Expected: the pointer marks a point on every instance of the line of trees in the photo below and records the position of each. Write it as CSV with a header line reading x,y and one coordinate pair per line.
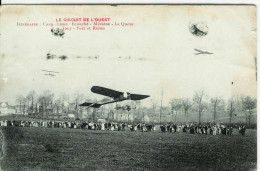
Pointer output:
x,y
201,102
47,103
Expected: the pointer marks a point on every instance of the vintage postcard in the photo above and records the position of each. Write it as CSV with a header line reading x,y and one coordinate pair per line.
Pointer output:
x,y
136,87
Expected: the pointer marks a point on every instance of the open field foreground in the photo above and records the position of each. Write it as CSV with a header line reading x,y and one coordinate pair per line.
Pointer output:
x,y
78,149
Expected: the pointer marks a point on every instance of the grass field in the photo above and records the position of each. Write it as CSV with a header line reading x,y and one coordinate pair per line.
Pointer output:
x,y
75,149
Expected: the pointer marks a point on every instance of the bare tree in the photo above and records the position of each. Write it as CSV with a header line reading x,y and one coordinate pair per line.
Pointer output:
x,y
41,101
88,109
138,105
57,105
232,107
28,99
154,105
249,104
78,100
19,100
46,100
161,107
22,102
215,102
25,102
63,98
68,100
31,98
176,104
198,99
186,103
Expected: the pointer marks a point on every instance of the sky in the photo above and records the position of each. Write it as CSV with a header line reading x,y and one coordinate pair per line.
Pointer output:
x,y
160,46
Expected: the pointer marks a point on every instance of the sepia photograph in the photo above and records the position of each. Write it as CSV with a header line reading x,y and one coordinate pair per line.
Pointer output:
x,y
128,87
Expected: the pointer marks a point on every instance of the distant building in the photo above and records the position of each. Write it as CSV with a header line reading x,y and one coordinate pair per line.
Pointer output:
x,y
72,108
79,111
18,109
48,109
6,109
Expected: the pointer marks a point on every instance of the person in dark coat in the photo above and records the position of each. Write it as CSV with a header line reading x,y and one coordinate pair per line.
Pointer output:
x,y
163,128
175,127
242,130
224,131
123,126
192,130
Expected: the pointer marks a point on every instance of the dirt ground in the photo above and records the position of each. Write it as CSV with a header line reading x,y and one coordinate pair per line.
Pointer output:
x,y
80,149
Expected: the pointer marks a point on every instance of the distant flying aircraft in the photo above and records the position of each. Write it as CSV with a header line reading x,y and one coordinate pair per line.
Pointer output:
x,y
199,52
50,73
126,107
116,95
58,32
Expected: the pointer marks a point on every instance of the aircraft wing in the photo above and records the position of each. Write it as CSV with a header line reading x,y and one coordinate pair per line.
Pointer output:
x,y
95,105
138,96
198,50
106,92
50,71
86,104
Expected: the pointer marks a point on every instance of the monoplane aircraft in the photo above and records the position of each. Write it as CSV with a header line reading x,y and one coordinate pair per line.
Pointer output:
x,y
116,95
50,73
126,107
58,32
199,52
